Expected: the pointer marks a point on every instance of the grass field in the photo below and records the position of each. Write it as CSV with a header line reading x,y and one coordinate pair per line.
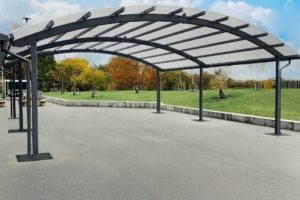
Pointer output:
x,y
245,101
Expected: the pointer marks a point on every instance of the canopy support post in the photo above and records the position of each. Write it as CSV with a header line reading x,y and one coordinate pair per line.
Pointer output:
x,y
278,99
157,91
35,139
28,106
201,94
35,155
20,97
14,92
10,94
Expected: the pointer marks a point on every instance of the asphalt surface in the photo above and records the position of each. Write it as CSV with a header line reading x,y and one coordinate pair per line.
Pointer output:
x,y
134,154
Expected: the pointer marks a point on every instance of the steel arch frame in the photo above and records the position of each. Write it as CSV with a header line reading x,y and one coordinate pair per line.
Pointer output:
x,y
28,40
117,39
86,24
102,52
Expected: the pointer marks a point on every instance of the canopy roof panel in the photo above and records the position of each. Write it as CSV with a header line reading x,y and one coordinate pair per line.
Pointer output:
x,y
166,37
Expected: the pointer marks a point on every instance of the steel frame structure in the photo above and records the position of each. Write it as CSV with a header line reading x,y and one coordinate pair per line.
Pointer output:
x,y
196,21
32,145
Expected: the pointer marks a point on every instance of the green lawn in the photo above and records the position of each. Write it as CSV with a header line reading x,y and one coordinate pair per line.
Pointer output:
x,y
246,101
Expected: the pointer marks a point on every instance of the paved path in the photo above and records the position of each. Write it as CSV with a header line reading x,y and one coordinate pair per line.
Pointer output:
x,y
130,154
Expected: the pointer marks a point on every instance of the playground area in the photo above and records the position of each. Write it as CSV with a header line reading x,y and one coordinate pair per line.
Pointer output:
x,y
136,154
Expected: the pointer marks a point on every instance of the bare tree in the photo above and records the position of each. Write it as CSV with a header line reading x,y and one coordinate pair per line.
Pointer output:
x,y
220,82
258,68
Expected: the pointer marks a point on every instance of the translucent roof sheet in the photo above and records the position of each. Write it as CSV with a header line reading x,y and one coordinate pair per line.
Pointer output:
x,y
150,27
165,31
205,41
123,28
186,35
221,48
168,37
151,53
169,57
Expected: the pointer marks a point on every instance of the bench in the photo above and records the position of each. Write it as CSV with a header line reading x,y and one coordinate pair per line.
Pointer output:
x,y
2,103
41,102
24,101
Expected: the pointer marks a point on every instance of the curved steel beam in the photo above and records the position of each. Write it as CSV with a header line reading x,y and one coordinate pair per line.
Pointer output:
x,y
116,39
96,51
137,18
103,52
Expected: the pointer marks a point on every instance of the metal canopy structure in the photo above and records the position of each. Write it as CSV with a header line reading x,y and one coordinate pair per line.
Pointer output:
x,y
169,37
165,38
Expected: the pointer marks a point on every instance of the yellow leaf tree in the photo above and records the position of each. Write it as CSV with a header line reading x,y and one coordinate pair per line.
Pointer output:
x,y
69,72
93,78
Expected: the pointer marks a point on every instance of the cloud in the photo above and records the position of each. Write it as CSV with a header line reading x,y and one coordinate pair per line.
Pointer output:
x,y
102,59
60,57
183,3
12,11
94,59
259,16
43,11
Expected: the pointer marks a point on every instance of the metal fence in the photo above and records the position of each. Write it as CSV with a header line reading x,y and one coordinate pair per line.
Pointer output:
x,y
290,84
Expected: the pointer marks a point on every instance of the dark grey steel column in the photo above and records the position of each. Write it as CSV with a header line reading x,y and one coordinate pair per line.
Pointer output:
x,y
10,94
28,105
34,74
201,94
14,92
158,91
278,99
20,96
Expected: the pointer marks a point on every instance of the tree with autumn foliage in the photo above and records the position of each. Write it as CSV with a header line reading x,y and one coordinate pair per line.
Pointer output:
x,y
174,80
124,73
148,79
93,78
70,72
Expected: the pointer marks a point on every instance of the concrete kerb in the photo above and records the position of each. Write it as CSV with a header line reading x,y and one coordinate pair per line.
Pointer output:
x,y
250,119
91,103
